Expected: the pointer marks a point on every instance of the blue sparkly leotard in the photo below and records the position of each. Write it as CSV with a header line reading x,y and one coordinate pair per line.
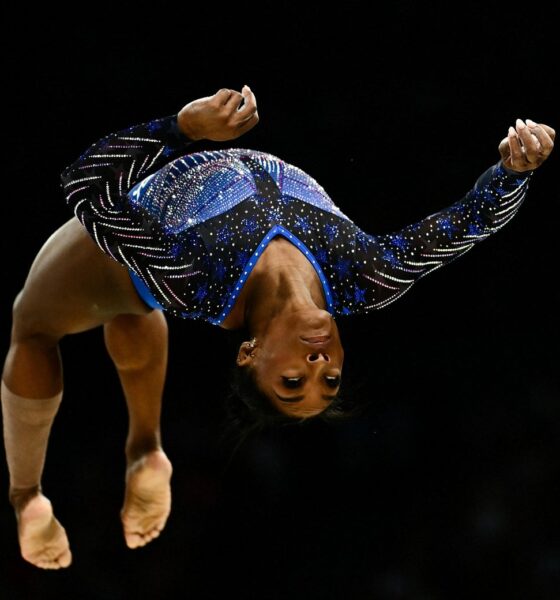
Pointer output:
x,y
191,226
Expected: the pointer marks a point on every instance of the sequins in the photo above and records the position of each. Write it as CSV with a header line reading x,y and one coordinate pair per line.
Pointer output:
x,y
359,272
193,189
193,228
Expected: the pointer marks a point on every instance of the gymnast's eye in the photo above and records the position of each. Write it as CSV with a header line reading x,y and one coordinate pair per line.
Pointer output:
x,y
291,382
333,382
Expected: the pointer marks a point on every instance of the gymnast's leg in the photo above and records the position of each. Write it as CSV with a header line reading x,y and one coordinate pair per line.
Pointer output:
x,y
138,346
71,287
31,395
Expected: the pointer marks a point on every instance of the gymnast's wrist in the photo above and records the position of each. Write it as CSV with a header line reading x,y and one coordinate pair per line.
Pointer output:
x,y
509,171
185,128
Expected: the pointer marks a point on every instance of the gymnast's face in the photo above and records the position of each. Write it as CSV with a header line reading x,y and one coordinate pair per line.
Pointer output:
x,y
297,363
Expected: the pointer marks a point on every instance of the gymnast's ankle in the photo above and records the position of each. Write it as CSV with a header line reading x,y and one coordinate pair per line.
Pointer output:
x,y
138,448
20,497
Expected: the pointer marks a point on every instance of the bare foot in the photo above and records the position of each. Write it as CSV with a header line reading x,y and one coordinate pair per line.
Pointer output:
x,y
147,500
42,538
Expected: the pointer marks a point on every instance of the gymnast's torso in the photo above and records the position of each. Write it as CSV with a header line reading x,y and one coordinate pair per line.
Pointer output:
x,y
220,210
190,227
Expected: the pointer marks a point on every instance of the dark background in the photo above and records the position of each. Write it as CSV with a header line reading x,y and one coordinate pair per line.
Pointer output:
x,y
446,487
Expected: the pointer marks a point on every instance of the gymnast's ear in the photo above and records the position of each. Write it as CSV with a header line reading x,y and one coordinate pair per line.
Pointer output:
x,y
246,354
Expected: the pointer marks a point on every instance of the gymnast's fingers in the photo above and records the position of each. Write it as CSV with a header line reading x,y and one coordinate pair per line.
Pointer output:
x,y
549,130
222,96
545,139
249,108
531,144
517,158
248,123
233,101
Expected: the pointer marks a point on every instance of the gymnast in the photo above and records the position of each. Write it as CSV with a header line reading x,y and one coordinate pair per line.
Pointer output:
x,y
235,237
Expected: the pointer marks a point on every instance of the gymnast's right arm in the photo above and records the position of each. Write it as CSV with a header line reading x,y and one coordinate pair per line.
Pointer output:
x,y
96,184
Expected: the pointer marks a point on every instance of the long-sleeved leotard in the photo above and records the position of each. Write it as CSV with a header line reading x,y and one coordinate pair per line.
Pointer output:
x,y
192,226
393,262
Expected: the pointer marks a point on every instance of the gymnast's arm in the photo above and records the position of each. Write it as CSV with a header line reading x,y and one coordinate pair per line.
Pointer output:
x,y
96,184
390,264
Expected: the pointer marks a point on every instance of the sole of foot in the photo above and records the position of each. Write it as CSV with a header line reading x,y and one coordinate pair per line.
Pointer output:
x,y
43,540
147,502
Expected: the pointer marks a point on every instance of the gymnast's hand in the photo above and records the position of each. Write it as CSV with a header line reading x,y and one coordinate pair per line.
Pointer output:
x,y
527,146
219,117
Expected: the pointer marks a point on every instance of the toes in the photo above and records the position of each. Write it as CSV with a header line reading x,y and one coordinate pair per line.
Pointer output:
x,y
136,539
152,535
65,559
58,562
133,540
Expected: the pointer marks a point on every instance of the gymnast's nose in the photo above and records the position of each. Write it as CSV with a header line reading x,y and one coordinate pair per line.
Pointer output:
x,y
318,357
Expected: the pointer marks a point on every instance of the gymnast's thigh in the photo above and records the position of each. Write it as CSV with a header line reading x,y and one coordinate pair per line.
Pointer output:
x,y
72,286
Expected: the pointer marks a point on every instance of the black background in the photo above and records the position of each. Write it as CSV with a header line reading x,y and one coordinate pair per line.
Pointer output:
x,y
447,486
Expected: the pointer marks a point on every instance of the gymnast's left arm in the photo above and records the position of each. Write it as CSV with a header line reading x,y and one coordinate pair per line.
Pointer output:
x,y
392,263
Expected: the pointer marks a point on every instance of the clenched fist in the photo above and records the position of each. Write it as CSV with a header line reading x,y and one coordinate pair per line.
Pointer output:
x,y
219,117
527,146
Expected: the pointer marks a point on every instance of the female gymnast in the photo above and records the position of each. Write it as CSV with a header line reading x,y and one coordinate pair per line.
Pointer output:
x,y
235,237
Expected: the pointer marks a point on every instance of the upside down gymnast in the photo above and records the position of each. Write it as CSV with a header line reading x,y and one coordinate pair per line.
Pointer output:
x,y
235,237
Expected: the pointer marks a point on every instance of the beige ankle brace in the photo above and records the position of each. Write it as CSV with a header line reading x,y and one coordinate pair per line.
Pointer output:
x,y
27,424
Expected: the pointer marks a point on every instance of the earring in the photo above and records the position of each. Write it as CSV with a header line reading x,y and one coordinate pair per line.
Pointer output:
x,y
253,342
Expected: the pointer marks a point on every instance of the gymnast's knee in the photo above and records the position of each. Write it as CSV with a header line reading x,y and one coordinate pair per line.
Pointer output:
x,y
136,341
29,322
